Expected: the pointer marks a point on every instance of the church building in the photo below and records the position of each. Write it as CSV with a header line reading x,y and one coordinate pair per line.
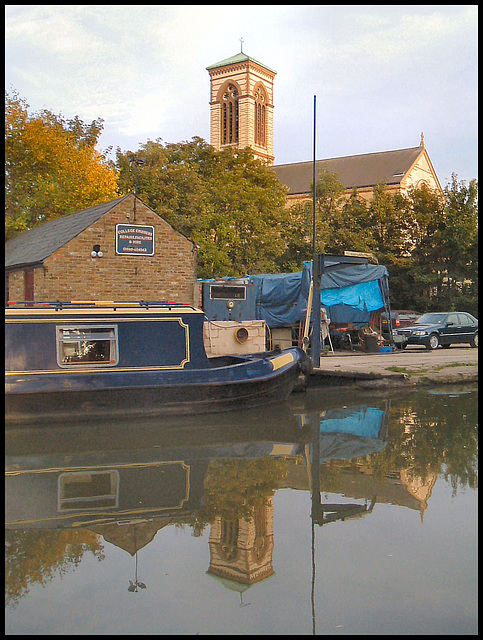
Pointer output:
x,y
241,105
241,115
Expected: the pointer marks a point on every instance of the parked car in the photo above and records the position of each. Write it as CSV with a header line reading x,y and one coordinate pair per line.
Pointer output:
x,y
445,329
398,319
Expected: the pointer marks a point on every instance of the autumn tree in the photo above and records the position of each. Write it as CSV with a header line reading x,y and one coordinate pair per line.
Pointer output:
x,y
36,556
227,202
52,167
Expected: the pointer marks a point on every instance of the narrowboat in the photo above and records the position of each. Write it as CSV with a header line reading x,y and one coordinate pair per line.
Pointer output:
x,y
76,359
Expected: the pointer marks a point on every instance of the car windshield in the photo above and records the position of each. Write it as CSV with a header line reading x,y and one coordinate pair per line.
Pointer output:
x,y
431,318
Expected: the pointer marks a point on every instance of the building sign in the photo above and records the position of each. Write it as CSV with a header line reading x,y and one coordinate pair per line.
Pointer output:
x,y
134,240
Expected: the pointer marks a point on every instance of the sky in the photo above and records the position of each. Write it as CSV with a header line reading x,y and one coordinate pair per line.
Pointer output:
x,y
381,74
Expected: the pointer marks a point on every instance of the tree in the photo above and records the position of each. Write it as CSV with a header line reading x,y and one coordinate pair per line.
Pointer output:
x,y
228,203
440,271
391,226
459,238
342,224
36,556
51,166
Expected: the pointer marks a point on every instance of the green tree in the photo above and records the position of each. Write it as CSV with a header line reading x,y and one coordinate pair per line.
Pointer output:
x,y
413,276
350,229
228,203
52,167
391,226
342,223
440,271
459,238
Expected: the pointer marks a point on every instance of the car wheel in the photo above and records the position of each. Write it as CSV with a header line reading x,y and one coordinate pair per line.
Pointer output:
x,y
433,342
474,341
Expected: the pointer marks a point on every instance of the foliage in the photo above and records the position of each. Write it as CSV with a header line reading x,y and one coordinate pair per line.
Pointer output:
x,y
428,242
51,166
228,203
439,270
37,556
233,208
423,443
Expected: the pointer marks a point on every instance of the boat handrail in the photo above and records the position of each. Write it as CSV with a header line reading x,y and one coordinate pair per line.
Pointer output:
x,y
88,304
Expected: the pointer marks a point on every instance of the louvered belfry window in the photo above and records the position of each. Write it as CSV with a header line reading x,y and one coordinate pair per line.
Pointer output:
x,y
230,115
260,118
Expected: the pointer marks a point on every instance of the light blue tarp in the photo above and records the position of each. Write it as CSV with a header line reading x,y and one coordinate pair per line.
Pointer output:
x,y
365,296
364,421
351,433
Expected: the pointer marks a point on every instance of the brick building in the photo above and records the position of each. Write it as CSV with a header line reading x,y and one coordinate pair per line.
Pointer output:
x,y
241,105
120,250
241,115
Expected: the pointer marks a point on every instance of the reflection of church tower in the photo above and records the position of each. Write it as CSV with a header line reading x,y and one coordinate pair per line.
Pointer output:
x,y
241,550
241,105
419,488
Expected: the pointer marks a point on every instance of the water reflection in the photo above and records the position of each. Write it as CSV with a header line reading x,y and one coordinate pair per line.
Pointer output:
x,y
72,490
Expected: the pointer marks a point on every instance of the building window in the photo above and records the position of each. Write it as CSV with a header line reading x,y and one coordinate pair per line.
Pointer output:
x,y
90,345
260,117
230,115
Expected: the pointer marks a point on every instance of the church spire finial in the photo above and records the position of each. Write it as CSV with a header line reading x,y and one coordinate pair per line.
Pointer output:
x,y
241,45
421,144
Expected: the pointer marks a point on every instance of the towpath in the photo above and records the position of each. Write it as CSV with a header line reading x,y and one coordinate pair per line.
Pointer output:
x,y
412,366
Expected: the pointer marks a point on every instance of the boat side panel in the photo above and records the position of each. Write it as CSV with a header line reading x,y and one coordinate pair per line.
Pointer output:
x,y
149,341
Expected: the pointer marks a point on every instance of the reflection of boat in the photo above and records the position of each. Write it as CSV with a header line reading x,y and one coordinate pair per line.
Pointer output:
x,y
76,359
59,477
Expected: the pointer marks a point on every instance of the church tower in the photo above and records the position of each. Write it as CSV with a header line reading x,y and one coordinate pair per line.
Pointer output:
x,y
241,105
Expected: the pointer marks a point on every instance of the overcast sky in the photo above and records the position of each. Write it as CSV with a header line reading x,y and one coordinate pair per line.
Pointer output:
x,y
382,74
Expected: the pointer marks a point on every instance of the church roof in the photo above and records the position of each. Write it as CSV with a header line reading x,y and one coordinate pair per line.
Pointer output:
x,y
33,246
364,170
239,57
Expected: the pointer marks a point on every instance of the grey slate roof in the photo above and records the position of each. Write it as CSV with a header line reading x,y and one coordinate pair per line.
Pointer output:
x,y
364,170
33,246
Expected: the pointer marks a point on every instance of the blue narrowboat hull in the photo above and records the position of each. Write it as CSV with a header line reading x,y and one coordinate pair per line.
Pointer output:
x,y
49,375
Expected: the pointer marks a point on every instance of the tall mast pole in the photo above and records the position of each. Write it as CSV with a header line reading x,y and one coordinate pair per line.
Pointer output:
x,y
315,264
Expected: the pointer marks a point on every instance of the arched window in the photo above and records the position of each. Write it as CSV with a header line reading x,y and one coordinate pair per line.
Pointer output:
x,y
229,115
260,117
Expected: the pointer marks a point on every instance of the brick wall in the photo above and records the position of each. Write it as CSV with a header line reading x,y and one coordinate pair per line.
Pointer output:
x,y
72,274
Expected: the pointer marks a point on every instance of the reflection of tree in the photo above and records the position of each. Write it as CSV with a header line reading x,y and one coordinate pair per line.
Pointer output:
x,y
36,556
425,439
234,488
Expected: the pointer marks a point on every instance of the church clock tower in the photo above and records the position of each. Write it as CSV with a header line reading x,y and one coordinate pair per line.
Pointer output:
x,y
241,105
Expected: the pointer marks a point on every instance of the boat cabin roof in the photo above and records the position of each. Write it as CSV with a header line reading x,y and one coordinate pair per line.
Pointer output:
x,y
95,307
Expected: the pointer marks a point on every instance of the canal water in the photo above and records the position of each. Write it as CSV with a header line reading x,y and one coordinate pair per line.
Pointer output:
x,y
335,513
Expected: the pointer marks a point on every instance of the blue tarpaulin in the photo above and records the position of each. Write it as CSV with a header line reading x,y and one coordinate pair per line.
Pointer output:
x,y
349,294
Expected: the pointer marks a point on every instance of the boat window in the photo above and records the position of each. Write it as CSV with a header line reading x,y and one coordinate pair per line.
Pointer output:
x,y
81,345
88,490
222,292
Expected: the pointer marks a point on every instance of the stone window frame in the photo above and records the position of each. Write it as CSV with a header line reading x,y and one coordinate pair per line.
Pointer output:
x,y
260,96
228,97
